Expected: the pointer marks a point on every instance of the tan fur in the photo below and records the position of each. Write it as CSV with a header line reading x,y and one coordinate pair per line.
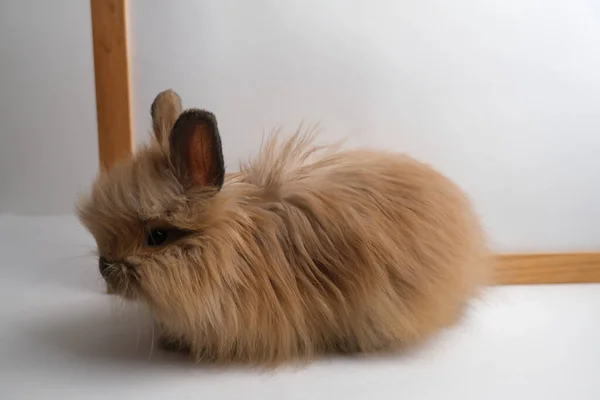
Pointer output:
x,y
303,252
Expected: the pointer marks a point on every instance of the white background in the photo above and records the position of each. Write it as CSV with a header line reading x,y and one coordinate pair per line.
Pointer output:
x,y
48,141
504,97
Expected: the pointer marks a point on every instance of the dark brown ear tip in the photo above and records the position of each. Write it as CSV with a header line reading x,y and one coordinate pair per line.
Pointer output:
x,y
194,117
199,116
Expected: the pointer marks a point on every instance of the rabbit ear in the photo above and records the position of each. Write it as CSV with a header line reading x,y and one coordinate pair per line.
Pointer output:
x,y
165,110
195,147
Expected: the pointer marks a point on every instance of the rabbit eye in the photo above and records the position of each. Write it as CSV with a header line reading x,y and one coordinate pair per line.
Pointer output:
x,y
156,237
160,236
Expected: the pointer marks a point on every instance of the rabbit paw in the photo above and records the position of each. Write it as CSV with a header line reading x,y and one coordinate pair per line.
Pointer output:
x,y
168,343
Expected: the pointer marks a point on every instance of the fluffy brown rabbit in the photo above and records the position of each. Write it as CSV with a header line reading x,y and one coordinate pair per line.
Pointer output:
x,y
306,250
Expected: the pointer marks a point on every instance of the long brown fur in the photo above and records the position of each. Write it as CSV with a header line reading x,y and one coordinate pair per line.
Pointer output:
x,y
305,251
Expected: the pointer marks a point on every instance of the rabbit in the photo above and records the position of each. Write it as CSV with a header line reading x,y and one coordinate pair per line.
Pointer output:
x,y
306,251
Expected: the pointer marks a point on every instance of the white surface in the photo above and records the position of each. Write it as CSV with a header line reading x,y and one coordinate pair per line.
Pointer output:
x,y
61,337
503,96
48,139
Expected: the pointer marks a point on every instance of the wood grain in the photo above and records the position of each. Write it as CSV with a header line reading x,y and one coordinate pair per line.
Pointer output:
x,y
519,269
109,32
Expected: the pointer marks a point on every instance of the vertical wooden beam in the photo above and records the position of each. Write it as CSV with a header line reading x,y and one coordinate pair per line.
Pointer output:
x,y
109,33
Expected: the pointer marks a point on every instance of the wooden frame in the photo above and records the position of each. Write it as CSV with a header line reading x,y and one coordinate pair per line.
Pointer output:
x,y
115,141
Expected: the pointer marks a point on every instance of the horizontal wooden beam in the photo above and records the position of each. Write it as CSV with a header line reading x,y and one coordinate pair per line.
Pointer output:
x,y
520,269
109,35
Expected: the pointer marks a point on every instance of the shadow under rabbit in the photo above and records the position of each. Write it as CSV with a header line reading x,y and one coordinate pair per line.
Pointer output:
x,y
102,334
126,338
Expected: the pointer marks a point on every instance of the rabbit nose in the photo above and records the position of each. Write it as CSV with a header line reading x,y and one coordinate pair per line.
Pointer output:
x,y
103,265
